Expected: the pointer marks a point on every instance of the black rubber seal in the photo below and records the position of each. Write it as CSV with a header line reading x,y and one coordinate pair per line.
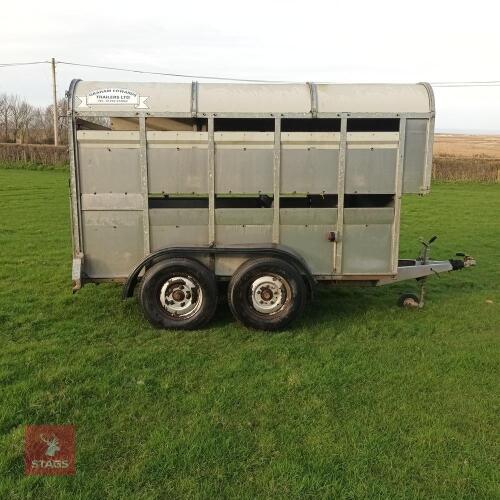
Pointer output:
x,y
457,264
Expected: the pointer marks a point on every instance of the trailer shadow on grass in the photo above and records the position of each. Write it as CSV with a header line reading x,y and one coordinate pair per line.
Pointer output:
x,y
328,307
333,308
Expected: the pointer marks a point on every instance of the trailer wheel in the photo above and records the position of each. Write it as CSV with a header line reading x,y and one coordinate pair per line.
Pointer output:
x,y
178,293
409,301
266,293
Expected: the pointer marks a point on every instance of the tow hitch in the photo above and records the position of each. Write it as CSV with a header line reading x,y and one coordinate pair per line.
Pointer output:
x,y
466,261
423,267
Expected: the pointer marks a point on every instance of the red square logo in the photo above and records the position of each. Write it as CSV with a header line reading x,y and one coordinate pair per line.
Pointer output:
x,y
49,450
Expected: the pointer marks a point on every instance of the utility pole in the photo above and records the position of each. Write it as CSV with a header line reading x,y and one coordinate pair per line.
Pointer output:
x,y
54,95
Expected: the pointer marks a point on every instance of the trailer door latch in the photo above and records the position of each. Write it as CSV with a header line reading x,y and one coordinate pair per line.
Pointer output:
x,y
332,236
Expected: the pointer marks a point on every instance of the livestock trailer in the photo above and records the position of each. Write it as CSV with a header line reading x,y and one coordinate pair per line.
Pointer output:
x,y
268,188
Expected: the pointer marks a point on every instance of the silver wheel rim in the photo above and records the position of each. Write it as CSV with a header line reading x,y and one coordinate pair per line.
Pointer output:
x,y
181,296
270,293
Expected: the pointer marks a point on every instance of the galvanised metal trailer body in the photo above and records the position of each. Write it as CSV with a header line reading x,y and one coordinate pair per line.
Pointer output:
x,y
270,187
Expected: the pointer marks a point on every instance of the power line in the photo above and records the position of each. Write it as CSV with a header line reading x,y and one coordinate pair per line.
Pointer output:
x,y
23,63
492,83
457,84
465,85
204,77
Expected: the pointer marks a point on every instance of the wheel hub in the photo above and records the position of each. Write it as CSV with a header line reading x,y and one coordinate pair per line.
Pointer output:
x,y
178,295
269,293
181,296
266,294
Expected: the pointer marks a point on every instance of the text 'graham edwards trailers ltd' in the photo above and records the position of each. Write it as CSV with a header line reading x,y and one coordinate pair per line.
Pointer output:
x,y
269,188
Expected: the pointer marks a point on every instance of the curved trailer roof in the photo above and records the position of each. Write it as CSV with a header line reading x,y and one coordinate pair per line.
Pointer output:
x,y
219,99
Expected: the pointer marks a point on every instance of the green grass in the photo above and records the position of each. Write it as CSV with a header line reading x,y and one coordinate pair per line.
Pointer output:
x,y
359,399
29,165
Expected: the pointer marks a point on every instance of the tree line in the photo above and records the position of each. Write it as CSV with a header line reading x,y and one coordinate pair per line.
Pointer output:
x,y
21,122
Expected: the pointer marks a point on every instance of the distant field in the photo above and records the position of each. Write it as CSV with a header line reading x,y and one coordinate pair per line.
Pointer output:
x,y
466,158
467,145
360,399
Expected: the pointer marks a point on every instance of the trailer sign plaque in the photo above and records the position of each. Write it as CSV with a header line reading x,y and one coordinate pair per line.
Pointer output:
x,y
113,96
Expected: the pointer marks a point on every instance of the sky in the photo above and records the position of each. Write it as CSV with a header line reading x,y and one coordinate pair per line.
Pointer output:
x,y
323,41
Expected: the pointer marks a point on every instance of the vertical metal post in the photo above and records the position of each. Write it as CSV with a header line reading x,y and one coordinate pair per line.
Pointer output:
x,y
337,265
194,99
427,177
276,180
75,223
211,182
194,104
398,195
428,155
143,165
54,97
313,91
77,267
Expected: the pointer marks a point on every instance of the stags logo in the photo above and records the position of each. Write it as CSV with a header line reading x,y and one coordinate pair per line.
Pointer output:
x,y
52,445
49,450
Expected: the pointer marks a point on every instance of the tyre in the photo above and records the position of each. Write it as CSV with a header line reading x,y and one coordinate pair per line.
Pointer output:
x,y
178,293
266,293
409,301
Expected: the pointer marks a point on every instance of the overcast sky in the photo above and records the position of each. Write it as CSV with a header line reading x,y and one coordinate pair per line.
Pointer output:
x,y
349,41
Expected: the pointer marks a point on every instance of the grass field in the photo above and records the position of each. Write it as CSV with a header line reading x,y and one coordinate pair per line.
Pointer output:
x,y
359,399
467,145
